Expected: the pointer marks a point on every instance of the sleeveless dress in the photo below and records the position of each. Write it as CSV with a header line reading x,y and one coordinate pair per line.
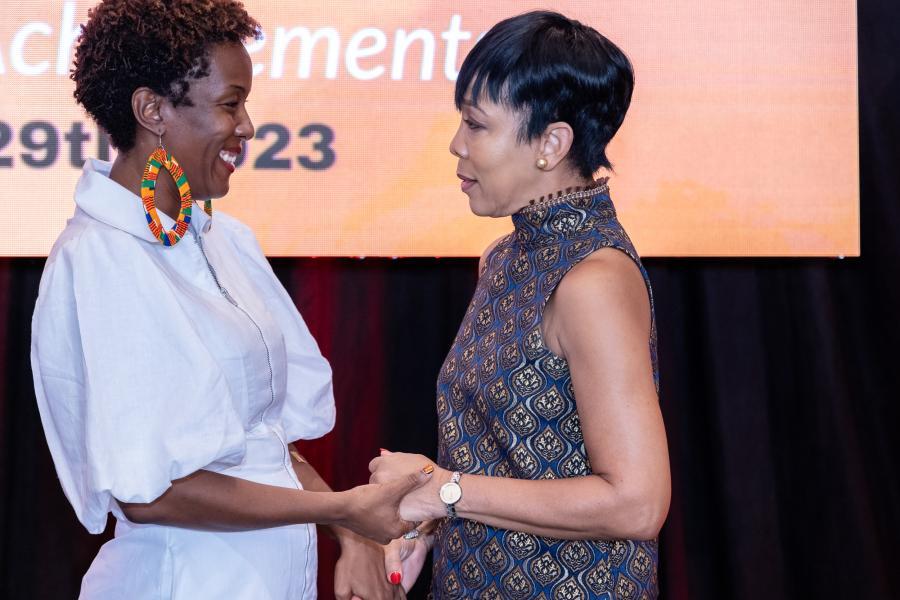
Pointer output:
x,y
506,408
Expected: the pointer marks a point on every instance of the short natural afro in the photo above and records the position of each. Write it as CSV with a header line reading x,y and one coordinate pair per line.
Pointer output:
x,y
159,44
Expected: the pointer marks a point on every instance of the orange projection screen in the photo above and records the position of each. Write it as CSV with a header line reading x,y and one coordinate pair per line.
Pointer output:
x,y
741,139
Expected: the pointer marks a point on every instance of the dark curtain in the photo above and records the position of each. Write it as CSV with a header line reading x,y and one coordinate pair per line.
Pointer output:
x,y
779,391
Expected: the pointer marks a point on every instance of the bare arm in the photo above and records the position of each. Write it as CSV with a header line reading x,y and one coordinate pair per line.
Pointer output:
x,y
216,502
313,482
599,320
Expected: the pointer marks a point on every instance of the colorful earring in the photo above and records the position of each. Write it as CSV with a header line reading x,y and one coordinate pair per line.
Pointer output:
x,y
159,158
541,163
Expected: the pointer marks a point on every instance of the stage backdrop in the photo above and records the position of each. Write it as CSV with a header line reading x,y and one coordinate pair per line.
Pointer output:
x,y
742,138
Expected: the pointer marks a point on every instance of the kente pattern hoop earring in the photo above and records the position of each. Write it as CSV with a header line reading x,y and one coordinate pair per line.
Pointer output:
x,y
159,158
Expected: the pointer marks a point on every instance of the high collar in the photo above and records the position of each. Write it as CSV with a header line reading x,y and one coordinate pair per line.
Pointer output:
x,y
110,203
564,218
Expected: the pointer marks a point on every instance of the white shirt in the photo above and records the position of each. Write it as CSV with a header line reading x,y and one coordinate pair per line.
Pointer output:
x,y
153,362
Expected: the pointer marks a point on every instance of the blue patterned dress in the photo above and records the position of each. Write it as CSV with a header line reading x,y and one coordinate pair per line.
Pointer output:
x,y
506,408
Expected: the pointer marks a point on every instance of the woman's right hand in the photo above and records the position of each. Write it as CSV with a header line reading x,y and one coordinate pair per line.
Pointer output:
x,y
404,559
373,510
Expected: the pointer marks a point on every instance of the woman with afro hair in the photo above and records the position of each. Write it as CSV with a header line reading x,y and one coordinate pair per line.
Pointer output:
x,y
171,369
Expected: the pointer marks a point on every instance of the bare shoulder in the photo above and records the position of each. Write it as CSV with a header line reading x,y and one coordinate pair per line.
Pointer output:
x,y
487,252
608,280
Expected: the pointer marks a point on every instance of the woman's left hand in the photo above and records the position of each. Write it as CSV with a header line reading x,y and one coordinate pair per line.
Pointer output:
x,y
404,559
421,504
359,572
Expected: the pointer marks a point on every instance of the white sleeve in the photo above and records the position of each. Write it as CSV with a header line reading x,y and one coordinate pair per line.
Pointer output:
x,y
130,398
309,410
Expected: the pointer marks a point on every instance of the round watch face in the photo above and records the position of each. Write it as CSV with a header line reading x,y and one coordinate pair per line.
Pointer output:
x,y
450,493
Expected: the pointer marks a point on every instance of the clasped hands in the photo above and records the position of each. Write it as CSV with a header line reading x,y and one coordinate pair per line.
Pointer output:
x,y
402,493
421,503
405,556
381,511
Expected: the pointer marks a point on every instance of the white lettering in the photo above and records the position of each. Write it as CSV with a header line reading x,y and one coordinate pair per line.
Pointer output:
x,y
16,49
453,36
307,42
318,50
356,50
68,32
401,45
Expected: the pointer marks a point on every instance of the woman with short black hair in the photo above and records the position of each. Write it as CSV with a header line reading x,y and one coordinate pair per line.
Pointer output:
x,y
553,476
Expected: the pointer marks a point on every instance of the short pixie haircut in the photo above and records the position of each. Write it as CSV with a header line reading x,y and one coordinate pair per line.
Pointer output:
x,y
552,68
162,45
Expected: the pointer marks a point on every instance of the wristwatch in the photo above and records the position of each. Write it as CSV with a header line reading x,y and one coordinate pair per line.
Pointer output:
x,y
450,494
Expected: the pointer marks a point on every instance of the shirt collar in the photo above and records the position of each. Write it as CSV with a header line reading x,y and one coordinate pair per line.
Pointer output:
x,y
110,203
572,215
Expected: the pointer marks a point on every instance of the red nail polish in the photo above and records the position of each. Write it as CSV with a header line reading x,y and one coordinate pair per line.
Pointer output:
x,y
395,577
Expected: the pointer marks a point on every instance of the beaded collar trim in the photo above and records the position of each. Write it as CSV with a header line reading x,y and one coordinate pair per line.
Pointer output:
x,y
571,194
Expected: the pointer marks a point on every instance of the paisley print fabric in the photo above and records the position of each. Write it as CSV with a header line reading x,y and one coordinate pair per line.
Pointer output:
x,y
506,408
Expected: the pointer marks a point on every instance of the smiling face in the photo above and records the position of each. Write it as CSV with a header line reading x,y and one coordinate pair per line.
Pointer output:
x,y
497,170
206,135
